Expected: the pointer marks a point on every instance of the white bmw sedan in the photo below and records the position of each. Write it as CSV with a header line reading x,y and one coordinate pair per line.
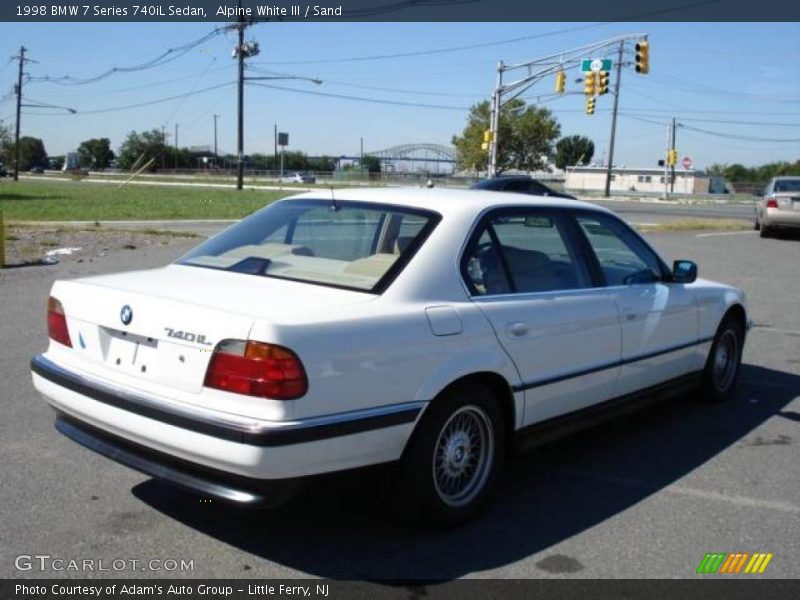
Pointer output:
x,y
434,329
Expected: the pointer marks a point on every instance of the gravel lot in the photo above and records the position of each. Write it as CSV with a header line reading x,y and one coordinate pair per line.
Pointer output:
x,y
30,245
645,496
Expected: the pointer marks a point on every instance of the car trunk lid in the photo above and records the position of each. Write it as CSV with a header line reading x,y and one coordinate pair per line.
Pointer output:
x,y
162,325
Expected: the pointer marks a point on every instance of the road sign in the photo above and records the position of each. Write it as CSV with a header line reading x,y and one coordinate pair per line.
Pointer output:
x,y
595,65
686,162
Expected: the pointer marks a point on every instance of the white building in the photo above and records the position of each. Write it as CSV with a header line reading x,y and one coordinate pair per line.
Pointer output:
x,y
625,179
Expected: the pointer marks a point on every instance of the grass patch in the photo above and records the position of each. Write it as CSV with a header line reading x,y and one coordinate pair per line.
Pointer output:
x,y
698,225
80,201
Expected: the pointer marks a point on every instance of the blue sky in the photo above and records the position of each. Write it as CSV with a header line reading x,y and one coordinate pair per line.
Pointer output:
x,y
734,79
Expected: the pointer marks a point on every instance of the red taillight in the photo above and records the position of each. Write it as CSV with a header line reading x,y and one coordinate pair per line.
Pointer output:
x,y
772,203
256,369
57,322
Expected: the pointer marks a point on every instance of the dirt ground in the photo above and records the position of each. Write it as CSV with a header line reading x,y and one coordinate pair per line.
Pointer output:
x,y
30,244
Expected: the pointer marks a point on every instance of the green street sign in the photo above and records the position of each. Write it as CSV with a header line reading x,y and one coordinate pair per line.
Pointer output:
x,y
594,65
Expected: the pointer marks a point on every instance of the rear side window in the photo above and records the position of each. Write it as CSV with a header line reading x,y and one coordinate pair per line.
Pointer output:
x,y
623,258
523,253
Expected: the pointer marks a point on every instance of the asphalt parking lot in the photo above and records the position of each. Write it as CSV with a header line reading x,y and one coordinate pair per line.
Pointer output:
x,y
645,496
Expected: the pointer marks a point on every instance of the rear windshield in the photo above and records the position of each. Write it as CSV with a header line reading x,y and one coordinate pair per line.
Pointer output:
x,y
787,185
353,245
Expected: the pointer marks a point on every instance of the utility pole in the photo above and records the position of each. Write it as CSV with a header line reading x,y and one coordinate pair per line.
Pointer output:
x,y
672,166
163,147
216,155
361,160
240,126
610,165
494,124
666,164
275,140
176,146
21,58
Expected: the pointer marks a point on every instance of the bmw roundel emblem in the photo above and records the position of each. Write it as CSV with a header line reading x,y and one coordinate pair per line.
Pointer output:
x,y
126,315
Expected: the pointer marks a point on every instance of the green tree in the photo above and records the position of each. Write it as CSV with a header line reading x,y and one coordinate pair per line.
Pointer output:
x,y
371,163
147,144
5,141
31,153
738,172
574,150
95,153
716,169
526,135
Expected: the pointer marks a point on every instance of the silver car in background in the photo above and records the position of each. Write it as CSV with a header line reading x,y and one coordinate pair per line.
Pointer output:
x,y
779,206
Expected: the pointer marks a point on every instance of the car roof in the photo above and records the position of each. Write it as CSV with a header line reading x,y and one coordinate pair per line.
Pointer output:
x,y
446,201
785,177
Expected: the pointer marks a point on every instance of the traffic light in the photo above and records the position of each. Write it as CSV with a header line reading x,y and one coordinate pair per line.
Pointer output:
x,y
589,84
642,57
561,82
590,105
602,85
672,157
488,136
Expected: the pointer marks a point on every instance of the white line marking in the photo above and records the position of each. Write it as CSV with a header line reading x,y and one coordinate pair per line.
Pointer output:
x,y
692,492
726,233
735,499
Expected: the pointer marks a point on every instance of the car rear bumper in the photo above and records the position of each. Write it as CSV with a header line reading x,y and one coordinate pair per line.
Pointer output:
x,y
190,476
241,446
776,217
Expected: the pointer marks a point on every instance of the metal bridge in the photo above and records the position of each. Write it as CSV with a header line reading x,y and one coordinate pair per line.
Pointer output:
x,y
424,153
412,152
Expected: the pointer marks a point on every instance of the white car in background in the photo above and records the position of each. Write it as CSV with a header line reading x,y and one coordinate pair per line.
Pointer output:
x,y
298,177
436,328
779,206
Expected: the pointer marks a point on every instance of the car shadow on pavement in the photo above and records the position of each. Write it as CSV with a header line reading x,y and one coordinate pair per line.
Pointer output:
x,y
338,529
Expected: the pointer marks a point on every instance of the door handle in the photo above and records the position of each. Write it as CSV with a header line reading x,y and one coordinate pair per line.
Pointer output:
x,y
517,328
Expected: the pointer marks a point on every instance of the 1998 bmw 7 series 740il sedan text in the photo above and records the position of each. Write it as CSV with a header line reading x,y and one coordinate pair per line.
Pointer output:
x,y
433,329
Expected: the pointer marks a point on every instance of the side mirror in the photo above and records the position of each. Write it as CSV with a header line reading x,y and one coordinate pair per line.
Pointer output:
x,y
684,271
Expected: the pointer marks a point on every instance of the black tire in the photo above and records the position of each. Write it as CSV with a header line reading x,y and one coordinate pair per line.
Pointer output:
x,y
765,232
757,225
724,362
454,457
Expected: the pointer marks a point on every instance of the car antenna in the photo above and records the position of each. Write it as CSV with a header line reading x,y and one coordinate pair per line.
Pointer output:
x,y
333,201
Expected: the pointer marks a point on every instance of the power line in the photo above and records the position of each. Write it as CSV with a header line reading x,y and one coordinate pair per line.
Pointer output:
x,y
430,52
140,86
726,135
461,48
152,102
5,66
377,88
360,98
194,87
169,55
734,122
747,138
705,90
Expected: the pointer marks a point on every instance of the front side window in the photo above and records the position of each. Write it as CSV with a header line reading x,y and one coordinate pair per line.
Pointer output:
x,y
523,252
356,245
623,257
